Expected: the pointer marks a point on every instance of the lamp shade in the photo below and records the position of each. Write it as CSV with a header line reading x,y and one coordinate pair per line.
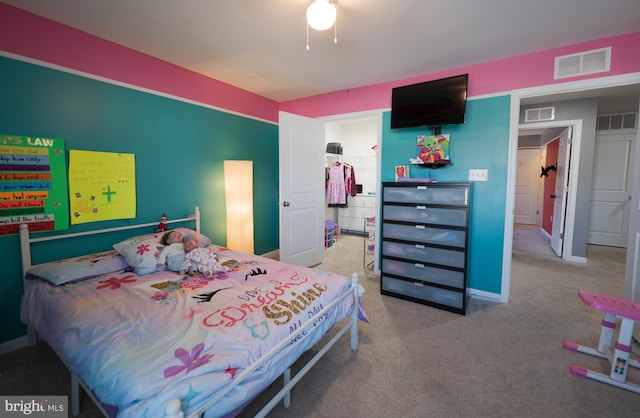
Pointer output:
x,y
321,14
238,188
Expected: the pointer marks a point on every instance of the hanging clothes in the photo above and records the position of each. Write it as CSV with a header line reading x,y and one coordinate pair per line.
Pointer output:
x,y
336,186
341,181
350,180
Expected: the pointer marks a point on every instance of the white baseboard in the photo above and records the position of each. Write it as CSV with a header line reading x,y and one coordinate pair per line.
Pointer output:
x,y
481,294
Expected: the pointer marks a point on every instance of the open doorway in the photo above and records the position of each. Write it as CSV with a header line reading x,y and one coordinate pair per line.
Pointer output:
x,y
567,91
548,173
358,138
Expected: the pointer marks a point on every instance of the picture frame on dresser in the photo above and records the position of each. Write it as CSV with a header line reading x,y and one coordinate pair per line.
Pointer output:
x,y
425,243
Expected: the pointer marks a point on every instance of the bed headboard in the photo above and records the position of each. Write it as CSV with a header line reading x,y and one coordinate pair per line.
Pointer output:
x,y
26,240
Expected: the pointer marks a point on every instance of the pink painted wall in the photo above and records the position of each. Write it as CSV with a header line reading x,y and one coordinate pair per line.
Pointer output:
x,y
524,71
31,36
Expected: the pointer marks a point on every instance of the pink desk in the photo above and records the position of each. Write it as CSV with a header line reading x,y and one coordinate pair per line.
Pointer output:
x,y
629,313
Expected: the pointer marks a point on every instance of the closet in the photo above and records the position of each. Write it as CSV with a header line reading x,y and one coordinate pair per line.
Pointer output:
x,y
357,139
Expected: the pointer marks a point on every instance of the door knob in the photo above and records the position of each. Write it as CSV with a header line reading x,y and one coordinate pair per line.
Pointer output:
x,y
285,203
553,196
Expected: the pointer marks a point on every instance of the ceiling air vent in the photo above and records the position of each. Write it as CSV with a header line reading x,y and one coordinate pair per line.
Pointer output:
x,y
539,114
617,122
589,62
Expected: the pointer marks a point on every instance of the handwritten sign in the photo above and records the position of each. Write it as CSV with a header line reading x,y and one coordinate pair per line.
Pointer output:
x,y
102,186
33,184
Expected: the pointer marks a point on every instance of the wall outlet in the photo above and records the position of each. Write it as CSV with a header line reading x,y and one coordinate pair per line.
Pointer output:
x,y
478,174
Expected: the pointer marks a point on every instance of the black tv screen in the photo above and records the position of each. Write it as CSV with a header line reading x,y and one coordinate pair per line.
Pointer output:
x,y
431,103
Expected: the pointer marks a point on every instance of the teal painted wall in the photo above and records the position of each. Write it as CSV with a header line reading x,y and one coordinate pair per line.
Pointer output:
x,y
481,142
179,150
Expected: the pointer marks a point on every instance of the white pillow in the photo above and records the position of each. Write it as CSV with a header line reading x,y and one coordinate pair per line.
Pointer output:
x,y
78,268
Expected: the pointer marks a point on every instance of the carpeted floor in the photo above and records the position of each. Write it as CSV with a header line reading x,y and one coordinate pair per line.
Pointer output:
x,y
500,360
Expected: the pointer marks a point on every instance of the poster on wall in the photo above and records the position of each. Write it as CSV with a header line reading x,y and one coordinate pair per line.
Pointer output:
x,y
102,186
33,184
433,148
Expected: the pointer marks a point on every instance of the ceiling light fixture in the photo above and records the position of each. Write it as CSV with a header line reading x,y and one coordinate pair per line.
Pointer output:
x,y
321,15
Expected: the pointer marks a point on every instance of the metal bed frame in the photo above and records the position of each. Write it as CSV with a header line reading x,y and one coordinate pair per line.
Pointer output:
x,y
173,407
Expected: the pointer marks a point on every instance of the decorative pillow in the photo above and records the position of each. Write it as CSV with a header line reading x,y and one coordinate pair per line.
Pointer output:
x,y
141,252
71,269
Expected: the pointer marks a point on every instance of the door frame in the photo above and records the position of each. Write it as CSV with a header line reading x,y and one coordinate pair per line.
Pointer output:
x,y
516,97
377,114
573,169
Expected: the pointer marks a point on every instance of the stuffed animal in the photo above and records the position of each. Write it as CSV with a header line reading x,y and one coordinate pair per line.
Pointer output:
x,y
162,226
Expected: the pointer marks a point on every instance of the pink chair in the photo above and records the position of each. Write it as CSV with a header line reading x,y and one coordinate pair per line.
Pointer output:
x,y
629,313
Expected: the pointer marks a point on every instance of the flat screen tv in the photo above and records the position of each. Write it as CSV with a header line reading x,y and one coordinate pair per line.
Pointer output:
x,y
431,103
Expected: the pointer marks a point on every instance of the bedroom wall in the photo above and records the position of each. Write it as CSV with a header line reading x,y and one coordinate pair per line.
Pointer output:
x,y
488,78
487,81
481,142
179,150
26,35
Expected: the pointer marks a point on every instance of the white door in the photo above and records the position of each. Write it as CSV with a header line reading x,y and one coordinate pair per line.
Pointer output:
x,y
611,189
302,190
632,271
561,191
527,184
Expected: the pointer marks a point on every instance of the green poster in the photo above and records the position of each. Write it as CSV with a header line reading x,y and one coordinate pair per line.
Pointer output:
x,y
33,184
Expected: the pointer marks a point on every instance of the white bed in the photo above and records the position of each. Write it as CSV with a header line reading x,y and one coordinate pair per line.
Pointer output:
x,y
166,344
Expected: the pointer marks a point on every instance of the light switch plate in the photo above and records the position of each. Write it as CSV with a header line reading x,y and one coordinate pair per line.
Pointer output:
x,y
478,174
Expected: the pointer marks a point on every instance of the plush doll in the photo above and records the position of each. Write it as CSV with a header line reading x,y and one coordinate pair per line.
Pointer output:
x,y
162,226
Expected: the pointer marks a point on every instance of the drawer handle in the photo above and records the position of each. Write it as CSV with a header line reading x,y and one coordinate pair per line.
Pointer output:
x,y
421,187
420,246
421,207
418,284
420,226
418,265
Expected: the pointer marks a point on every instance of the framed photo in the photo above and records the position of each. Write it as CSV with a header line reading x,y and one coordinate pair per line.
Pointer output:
x,y
402,172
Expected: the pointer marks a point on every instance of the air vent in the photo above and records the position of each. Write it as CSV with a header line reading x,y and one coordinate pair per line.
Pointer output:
x,y
617,122
539,114
588,62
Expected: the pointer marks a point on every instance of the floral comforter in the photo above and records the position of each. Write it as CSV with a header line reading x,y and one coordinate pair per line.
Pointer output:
x,y
138,341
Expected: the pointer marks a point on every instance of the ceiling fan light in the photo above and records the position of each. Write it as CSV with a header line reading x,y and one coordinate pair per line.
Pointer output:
x,y
321,14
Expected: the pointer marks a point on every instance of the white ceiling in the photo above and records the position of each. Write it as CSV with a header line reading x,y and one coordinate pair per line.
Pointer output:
x,y
260,45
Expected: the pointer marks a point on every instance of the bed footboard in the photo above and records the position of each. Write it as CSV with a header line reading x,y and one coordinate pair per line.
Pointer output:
x,y
173,407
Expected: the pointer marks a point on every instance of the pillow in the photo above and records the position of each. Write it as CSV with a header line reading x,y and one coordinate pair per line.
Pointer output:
x,y
141,252
78,268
